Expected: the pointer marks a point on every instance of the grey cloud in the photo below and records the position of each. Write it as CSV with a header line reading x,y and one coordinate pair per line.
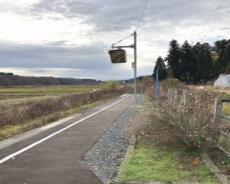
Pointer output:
x,y
55,60
62,61
108,16
88,57
105,15
68,8
225,28
111,74
119,15
179,12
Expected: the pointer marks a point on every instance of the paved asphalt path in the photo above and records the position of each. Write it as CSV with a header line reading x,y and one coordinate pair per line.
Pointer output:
x,y
54,156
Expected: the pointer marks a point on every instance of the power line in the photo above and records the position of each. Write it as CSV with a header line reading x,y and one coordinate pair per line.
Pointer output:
x,y
138,24
123,39
142,16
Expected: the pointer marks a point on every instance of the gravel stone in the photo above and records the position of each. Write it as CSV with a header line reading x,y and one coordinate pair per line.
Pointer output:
x,y
106,155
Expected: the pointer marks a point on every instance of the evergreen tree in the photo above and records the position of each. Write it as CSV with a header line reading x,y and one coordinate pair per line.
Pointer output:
x,y
173,58
188,64
204,63
200,63
160,65
222,47
225,59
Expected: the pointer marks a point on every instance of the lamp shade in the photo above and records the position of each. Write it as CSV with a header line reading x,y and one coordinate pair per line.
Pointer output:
x,y
118,56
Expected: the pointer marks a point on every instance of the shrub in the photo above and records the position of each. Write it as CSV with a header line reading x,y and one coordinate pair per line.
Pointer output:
x,y
190,113
111,85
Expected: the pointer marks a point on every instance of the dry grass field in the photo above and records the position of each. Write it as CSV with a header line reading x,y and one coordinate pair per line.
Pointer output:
x,y
8,93
24,108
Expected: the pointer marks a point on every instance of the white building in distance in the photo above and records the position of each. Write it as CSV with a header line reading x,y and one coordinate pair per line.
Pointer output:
x,y
223,81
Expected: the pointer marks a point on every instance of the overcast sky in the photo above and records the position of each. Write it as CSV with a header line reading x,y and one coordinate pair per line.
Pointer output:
x,y
71,38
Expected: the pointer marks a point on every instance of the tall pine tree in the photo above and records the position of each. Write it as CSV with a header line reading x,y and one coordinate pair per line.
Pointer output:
x,y
187,64
173,58
222,47
160,65
204,63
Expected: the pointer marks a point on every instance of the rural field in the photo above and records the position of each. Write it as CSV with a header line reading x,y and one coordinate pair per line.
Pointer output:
x,y
26,107
9,93
107,92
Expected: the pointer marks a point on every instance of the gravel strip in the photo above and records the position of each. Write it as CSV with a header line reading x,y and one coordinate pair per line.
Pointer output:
x,y
106,155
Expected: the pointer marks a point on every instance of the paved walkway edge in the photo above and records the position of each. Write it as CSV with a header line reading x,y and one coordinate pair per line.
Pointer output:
x,y
20,137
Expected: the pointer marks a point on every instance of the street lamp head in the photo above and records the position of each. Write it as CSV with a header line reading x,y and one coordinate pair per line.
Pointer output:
x,y
118,56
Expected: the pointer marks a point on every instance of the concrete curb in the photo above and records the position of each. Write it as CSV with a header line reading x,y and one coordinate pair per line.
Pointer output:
x,y
214,169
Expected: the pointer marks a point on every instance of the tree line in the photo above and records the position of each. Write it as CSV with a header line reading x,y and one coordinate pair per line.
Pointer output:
x,y
3,73
9,79
197,63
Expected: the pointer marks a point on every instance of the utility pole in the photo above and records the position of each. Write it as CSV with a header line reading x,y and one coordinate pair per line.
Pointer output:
x,y
134,46
135,66
157,85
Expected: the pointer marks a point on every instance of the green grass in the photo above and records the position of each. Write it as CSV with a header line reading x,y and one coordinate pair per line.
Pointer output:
x,y
12,130
226,109
152,163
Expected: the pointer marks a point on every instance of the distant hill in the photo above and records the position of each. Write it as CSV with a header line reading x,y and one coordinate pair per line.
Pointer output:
x,y
140,78
9,79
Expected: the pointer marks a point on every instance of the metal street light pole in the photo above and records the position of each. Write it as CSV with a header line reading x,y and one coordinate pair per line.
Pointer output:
x,y
134,46
135,66
157,85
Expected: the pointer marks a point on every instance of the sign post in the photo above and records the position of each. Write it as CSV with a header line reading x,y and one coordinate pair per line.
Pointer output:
x,y
135,66
157,85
